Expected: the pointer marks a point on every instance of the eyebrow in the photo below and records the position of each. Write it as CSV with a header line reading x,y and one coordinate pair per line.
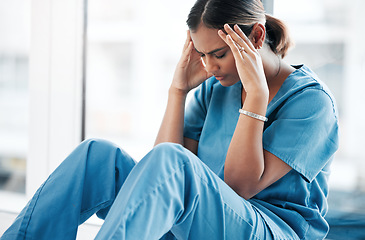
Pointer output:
x,y
211,52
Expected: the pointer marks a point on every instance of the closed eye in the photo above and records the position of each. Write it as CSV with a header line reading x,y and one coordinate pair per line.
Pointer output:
x,y
216,56
213,53
221,56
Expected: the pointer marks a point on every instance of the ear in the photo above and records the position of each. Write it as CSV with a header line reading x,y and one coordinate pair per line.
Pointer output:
x,y
258,34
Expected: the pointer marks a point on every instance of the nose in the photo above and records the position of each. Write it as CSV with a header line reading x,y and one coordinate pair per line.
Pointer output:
x,y
211,66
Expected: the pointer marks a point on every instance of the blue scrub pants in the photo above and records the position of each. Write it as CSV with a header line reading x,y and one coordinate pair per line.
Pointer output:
x,y
169,194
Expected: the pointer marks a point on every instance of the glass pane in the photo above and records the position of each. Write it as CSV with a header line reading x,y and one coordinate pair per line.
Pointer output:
x,y
324,33
132,53
14,60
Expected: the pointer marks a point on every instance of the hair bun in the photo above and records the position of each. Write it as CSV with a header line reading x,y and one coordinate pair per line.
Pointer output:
x,y
277,36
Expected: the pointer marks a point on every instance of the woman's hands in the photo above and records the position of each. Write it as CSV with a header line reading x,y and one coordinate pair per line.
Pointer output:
x,y
190,71
248,60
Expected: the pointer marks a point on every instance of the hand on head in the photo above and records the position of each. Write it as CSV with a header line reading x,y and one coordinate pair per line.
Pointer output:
x,y
190,71
247,57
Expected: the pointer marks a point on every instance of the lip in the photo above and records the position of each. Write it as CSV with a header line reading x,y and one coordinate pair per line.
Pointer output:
x,y
219,78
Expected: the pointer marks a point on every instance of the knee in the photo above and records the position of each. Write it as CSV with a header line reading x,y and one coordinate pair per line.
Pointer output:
x,y
168,146
168,150
169,154
96,144
96,141
97,149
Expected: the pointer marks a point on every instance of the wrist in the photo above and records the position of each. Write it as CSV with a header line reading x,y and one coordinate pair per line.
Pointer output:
x,y
257,89
173,91
260,96
256,102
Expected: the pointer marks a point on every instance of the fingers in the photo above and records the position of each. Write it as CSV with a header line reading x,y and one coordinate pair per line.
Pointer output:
x,y
187,41
243,36
240,38
187,51
236,50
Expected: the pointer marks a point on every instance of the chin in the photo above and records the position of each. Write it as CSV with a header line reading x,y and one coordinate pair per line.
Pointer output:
x,y
228,83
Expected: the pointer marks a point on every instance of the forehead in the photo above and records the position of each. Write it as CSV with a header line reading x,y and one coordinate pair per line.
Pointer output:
x,y
206,39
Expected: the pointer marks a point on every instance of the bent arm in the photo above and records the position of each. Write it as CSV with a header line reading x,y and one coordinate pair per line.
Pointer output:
x,y
172,126
249,168
189,73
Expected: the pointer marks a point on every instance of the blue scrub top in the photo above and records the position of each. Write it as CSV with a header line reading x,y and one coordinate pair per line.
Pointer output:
x,y
302,130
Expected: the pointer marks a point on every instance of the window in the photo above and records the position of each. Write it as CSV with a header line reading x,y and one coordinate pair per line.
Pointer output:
x,y
132,53
14,61
52,84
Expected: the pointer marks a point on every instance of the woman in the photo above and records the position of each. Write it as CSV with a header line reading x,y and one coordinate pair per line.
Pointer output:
x,y
248,159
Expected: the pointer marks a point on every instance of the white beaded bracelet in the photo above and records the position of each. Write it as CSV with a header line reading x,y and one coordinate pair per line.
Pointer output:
x,y
253,115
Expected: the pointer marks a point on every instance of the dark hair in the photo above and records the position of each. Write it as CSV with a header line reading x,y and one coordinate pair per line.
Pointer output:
x,y
244,13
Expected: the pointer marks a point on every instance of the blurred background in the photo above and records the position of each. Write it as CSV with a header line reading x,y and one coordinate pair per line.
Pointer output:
x,y
130,49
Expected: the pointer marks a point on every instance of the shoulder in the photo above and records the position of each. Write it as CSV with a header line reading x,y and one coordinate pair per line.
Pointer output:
x,y
303,125
312,92
304,91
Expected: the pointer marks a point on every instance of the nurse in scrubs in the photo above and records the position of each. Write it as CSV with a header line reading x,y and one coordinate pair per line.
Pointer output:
x,y
248,158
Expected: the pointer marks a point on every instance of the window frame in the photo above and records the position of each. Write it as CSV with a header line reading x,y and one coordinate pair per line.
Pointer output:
x,y
56,83
269,6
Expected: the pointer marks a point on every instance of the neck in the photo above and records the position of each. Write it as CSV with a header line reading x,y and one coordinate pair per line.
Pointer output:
x,y
272,64
276,70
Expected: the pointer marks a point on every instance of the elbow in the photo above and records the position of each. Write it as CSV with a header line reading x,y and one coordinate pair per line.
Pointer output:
x,y
244,184
239,188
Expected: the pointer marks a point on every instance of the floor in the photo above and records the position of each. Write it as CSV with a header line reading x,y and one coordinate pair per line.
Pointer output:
x,y
346,217
86,231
